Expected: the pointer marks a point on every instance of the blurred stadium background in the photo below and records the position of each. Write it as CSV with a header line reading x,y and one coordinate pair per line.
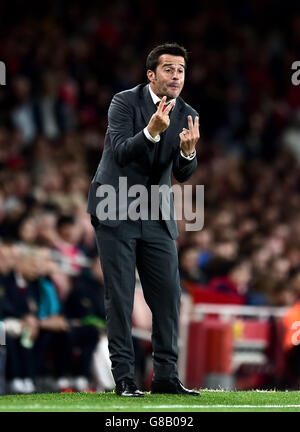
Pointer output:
x,y
240,273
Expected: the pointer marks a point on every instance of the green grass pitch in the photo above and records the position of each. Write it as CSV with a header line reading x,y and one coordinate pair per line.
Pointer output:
x,y
253,401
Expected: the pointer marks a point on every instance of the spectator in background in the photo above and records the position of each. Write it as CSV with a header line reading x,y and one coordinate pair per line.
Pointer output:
x,y
84,308
202,241
291,136
52,116
66,243
20,320
22,115
69,324
189,268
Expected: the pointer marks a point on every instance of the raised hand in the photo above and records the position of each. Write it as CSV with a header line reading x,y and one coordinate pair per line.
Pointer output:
x,y
160,120
189,137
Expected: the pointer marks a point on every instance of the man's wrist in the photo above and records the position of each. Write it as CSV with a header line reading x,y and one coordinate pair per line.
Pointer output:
x,y
189,156
150,136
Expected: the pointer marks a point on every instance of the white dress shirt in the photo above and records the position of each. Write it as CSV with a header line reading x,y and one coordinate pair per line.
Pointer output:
x,y
156,99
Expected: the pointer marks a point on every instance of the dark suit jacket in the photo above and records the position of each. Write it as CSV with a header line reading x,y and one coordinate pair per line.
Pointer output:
x,y
128,153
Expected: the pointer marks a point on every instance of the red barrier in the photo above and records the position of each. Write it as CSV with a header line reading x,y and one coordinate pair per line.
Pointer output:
x,y
195,365
210,347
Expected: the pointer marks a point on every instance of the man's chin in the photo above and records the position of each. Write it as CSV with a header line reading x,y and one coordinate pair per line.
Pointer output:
x,y
173,94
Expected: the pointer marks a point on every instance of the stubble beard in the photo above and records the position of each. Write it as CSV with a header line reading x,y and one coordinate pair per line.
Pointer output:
x,y
165,92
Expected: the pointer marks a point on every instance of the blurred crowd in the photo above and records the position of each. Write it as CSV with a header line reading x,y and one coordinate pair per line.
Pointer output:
x,y
64,62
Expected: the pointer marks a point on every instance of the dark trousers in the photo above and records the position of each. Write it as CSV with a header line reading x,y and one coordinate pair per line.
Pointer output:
x,y
61,345
293,361
19,360
147,245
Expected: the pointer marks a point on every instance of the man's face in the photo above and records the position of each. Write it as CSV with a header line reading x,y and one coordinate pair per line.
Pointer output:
x,y
168,79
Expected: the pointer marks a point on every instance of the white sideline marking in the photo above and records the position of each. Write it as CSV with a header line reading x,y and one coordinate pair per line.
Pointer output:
x,y
121,407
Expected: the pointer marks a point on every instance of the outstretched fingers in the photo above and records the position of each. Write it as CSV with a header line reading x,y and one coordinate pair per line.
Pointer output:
x,y
196,127
161,105
169,107
191,126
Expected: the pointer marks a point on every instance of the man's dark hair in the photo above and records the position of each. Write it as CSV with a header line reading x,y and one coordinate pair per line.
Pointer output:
x,y
167,48
64,220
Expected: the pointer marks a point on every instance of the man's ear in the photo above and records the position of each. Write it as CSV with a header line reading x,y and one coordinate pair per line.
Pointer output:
x,y
150,75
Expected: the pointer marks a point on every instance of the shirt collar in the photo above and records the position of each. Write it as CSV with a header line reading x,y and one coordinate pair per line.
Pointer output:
x,y
155,98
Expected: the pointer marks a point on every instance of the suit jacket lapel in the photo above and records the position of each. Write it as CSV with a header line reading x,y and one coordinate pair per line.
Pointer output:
x,y
147,106
148,109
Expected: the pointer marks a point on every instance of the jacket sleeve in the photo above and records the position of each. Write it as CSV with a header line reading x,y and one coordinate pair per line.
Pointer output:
x,y
126,146
183,169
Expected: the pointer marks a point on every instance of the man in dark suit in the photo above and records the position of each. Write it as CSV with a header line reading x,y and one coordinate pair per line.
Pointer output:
x,y
151,133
